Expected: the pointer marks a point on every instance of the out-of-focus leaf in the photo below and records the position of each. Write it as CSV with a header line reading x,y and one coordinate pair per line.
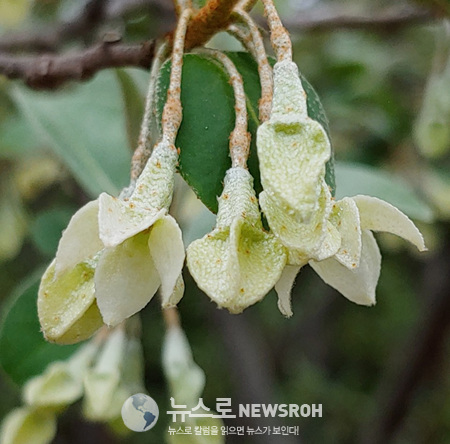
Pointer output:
x,y
353,179
13,220
436,185
85,127
133,105
208,119
35,173
24,351
432,130
16,138
46,229
12,12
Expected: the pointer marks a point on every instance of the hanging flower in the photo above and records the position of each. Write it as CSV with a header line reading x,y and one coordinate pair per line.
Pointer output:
x,y
355,268
113,257
116,374
28,424
143,244
238,262
61,383
292,145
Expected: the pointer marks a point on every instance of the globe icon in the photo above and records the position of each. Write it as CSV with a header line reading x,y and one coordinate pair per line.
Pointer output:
x,y
140,412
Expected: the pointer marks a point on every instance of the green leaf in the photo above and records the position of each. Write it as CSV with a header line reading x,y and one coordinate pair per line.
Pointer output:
x,y
356,179
208,119
85,127
13,219
16,141
24,351
133,101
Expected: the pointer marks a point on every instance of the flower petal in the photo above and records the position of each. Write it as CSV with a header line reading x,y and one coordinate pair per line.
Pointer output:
x,y
262,259
378,215
66,305
80,240
119,220
167,251
102,381
55,387
171,300
126,279
214,266
154,187
236,268
28,425
345,216
186,379
283,288
359,284
305,239
292,145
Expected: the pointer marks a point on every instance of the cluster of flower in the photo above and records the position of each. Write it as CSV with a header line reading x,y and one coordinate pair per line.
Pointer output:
x,y
117,252
103,372
238,263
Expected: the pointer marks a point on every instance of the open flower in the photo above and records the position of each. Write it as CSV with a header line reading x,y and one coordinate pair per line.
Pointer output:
x,y
355,268
238,262
143,245
113,257
333,237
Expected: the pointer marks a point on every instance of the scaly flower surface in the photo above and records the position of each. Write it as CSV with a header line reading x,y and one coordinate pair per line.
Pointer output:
x,y
238,262
143,245
333,237
291,145
354,268
113,257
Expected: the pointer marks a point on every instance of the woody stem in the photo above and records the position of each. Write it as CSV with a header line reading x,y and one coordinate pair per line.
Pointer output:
x,y
279,37
253,41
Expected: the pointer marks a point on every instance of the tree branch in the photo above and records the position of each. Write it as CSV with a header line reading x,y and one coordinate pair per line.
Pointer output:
x,y
213,17
386,21
50,71
82,25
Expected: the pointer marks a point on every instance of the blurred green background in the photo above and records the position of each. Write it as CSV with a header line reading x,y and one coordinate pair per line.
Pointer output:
x,y
381,373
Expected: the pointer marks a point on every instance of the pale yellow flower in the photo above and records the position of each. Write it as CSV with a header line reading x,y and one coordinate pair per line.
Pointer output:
x,y
238,262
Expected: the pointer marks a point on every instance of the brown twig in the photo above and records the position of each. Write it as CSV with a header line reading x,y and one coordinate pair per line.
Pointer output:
x,y
216,15
81,26
386,21
48,71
